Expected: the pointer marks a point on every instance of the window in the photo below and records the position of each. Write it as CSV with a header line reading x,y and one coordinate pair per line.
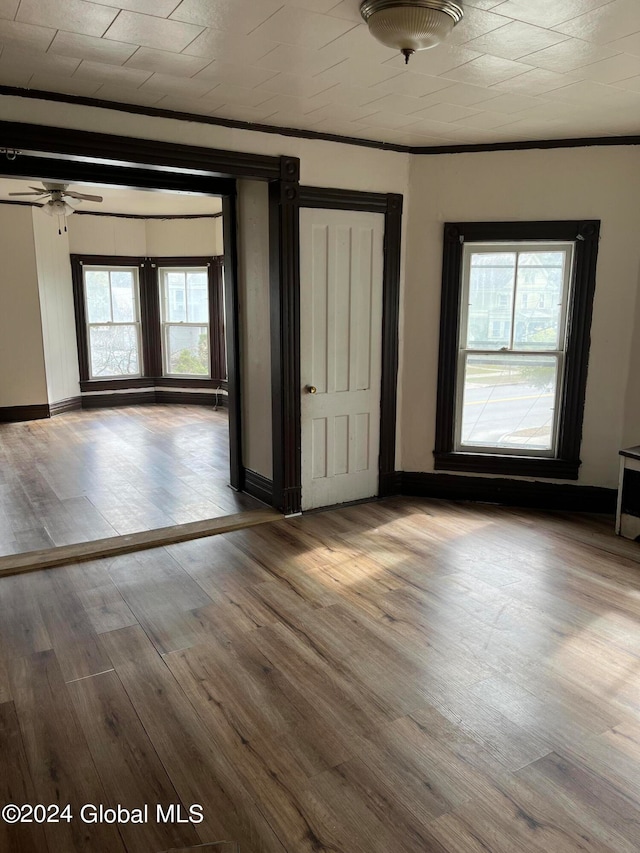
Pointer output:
x,y
185,321
113,321
516,313
149,321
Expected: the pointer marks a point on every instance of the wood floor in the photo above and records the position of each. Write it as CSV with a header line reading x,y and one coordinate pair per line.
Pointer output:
x,y
398,677
96,473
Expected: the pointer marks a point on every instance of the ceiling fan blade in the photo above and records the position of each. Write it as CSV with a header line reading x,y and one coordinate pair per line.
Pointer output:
x,y
40,193
83,196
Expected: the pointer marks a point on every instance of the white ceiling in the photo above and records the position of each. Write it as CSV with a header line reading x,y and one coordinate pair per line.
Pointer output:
x,y
513,69
136,202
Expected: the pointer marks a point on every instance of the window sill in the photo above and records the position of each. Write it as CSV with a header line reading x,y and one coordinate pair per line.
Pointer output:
x,y
517,466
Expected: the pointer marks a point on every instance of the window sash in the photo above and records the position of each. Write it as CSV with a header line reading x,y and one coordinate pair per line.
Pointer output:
x,y
559,354
163,285
110,323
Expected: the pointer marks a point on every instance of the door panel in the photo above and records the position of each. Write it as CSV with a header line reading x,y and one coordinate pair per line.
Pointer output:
x,y
341,266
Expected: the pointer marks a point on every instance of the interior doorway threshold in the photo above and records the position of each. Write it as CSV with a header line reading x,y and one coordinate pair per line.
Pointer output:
x,y
113,546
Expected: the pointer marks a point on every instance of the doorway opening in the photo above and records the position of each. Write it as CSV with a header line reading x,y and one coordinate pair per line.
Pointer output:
x,y
114,386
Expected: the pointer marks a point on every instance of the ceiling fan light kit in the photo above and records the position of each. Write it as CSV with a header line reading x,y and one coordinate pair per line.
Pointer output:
x,y
411,25
58,204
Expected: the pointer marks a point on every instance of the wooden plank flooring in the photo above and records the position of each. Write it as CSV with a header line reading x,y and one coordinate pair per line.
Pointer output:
x,y
99,473
398,677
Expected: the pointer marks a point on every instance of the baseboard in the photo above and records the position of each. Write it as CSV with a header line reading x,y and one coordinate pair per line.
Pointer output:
x,y
538,495
390,484
144,398
71,404
190,398
258,486
106,401
11,414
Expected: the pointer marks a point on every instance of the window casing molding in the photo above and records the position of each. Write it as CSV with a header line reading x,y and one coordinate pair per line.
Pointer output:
x,y
150,319
584,236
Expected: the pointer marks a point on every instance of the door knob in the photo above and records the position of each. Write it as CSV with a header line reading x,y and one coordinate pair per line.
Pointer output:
x,y
311,389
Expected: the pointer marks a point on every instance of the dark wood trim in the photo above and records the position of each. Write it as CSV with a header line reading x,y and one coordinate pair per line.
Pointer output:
x,y
585,236
390,342
193,164
190,398
20,203
107,400
12,414
516,466
390,205
68,171
258,486
284,274
151,321
144,216
151,382
216,318
143,398
298,133
338,199
529,145
71,404
232,330
523,493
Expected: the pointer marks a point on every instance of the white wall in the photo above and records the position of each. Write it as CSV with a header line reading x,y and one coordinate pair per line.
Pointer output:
x,y
255,337
22,371
56,307
112,235
107,235
581,183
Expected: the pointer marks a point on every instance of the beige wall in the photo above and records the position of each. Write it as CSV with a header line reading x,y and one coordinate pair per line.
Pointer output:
x,y
56,307
22,372
255,340
325,164
112,235
582,183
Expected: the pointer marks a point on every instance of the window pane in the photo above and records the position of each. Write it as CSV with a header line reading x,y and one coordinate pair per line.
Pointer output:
x,y
114,351
188,350
509,401
175,297
198,297
493,259
490,300
542,259
123,296
98,301
538,306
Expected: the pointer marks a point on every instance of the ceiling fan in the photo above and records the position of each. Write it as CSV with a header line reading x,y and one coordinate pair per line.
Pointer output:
x,y
60,202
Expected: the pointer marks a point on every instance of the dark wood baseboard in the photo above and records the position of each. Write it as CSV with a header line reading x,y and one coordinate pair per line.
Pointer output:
x,y
10,414
190,398
71,404
538,495
144,398
258,486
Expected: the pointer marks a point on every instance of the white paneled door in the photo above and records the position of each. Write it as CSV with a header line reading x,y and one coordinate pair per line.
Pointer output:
x,y
341,264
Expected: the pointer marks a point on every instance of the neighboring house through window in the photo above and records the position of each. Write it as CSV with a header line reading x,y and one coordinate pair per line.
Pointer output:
x,y
146,321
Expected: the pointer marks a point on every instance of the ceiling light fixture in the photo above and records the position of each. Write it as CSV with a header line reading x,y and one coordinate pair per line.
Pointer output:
x,y
410,25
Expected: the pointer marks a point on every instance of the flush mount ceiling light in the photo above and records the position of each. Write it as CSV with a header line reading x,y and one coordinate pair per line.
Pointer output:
x,y
410,25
